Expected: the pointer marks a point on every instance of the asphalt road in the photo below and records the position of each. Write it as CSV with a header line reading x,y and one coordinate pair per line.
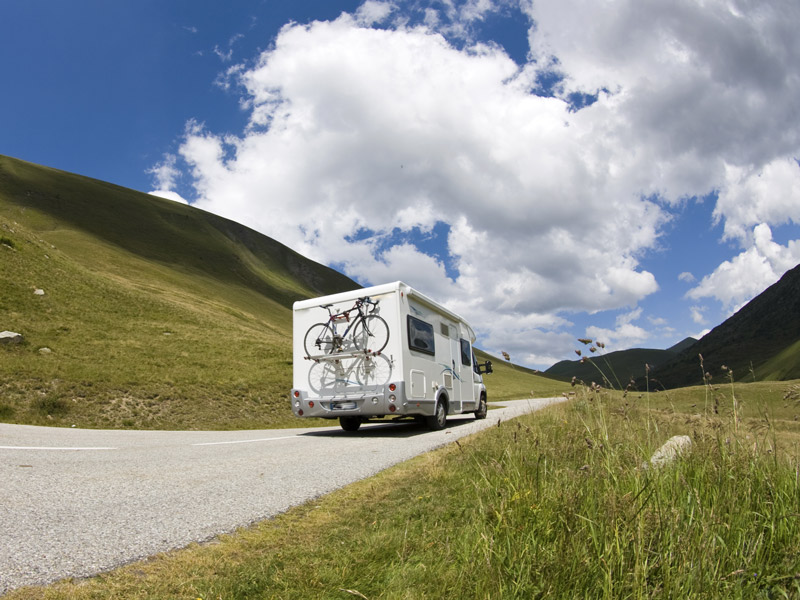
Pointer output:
x,y
75,502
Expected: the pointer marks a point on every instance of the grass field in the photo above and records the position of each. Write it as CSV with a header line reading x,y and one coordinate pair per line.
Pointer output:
x,y
556,504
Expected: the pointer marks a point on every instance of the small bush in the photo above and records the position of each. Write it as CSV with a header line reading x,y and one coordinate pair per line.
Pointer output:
x,y
4,241
49,405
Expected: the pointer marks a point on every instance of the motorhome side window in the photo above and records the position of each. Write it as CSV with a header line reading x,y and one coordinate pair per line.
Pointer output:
x,y
420,335
466,353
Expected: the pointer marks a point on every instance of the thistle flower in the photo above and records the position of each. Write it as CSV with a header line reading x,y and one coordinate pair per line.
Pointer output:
x,y
585,341
578,352
592,349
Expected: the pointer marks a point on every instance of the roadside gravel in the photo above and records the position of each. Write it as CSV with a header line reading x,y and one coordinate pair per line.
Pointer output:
x,y
74,503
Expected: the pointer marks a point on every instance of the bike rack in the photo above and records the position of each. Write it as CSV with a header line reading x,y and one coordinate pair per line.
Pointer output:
x,y
342,371
337,356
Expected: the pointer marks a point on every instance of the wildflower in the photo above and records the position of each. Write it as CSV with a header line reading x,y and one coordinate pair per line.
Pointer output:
x,y
601,345
578,352
592,349
585,341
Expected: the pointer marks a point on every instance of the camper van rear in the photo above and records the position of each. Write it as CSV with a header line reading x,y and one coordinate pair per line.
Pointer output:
x,y
384,351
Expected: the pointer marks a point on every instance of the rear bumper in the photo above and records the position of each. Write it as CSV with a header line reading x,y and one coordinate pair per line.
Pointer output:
x,y
379,402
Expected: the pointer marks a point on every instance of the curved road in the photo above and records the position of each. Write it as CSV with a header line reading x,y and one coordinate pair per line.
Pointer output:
x,y
74,502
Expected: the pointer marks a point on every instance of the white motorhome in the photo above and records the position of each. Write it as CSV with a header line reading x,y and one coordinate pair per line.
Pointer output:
x,y
384,351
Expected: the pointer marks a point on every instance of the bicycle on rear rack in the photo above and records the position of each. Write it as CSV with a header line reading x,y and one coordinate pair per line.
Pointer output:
x,y
367,332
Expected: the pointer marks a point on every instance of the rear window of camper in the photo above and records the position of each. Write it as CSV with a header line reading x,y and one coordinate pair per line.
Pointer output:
x,y
420,335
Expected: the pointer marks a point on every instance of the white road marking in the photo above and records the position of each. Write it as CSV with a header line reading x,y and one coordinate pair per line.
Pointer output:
x,y
286,437
54,448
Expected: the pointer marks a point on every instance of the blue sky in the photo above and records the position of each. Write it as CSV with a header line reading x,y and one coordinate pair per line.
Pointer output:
x,y
551,170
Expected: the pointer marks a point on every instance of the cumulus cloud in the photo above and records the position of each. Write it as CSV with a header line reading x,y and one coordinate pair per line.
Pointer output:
x,y
625,333
166,173
358,134
169,195
737,281
697,315
751,197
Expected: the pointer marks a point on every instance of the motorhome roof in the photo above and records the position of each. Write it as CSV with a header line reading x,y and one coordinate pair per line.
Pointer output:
x,y
377,290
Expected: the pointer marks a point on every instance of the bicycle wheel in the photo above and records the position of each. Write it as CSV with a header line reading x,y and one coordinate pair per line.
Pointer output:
x,y
322,378
373,370
319,339
371,333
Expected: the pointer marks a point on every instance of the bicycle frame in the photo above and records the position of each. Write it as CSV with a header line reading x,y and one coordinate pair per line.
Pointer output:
x,y
333,317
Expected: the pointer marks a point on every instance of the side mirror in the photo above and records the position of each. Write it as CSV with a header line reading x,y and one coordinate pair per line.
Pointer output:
x,y
485,368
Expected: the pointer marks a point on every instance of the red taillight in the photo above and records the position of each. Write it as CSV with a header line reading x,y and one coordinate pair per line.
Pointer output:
x,y
300,412
310,404
296,393
392,408
392,387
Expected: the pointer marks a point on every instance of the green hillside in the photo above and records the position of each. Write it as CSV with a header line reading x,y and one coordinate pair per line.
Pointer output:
x,y
152,314
759,342
782,367
510,381
617,368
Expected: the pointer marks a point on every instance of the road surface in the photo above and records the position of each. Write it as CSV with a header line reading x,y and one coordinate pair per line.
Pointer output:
x,y
75,503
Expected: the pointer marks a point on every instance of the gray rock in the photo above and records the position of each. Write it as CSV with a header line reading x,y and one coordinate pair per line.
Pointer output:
x,y
38,292
10,337
674,447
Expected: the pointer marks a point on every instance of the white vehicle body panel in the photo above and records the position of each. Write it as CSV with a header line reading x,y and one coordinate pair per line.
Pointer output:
x,y
428,359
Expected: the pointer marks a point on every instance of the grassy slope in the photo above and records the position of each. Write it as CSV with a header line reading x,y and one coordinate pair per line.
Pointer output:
x,y
510,382
618,366
784,365
765,327
156,315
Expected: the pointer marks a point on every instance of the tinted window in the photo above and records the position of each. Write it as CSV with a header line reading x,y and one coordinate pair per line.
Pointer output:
x,y
466,353
420,335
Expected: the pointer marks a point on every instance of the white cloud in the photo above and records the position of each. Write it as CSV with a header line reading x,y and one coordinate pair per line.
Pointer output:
x,y
360,129
373,12
769,195
169,196
697,315
165,173
737,281
354,130
687,277
624,335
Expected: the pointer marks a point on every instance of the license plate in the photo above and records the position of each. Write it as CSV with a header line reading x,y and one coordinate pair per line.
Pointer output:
x,y
343,405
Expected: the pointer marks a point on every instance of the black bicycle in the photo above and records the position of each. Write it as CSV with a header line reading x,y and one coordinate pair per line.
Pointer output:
x,y
366,332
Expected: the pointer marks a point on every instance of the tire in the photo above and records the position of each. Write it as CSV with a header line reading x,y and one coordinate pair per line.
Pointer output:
x,y
481,412
371,333
319,339
350,423
438,421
